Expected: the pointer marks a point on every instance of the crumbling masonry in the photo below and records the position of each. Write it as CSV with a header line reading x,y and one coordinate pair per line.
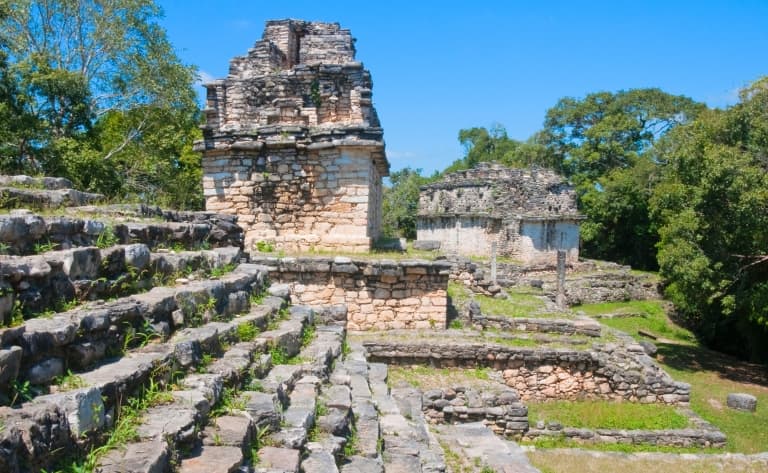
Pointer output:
x,y
292,144
528,213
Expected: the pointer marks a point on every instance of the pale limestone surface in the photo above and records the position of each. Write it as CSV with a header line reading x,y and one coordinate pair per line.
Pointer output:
x,y
292,144
528,213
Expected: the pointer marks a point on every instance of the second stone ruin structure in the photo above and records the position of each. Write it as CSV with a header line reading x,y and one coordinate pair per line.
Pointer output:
x,y
528,213
292,144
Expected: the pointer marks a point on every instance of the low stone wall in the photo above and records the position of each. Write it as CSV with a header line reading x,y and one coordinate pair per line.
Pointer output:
x,y
21,230
501,411
581,326
379,295
695,437
586,282
607,371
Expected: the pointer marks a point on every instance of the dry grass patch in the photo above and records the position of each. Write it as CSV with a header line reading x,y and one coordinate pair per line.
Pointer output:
x,y
425,377
579,461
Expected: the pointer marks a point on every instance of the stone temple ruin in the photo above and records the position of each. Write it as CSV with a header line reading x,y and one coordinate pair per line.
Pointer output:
x,y
292,144
141,340
529,214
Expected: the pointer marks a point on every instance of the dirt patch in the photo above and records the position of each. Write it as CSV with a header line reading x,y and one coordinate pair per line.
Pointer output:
x,y
582,461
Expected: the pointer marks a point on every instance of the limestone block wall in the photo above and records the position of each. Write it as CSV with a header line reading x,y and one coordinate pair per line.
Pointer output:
x,y
327,199
292,143
379,295
528,213
540,240
608,371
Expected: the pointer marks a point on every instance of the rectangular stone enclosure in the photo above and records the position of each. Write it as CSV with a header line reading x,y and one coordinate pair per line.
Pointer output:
x,y
292,144
379,295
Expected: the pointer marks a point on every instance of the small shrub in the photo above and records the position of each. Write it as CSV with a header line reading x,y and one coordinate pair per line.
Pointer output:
x,y
247,332
107,238
264,247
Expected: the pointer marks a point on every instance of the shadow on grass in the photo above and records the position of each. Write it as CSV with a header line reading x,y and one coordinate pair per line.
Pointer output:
x,y
693,358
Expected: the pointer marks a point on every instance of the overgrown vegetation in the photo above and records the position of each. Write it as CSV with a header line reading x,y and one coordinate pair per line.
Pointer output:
x,y
632,316
94,92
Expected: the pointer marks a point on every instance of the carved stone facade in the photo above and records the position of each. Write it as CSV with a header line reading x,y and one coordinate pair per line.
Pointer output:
x,y
292,144
528,213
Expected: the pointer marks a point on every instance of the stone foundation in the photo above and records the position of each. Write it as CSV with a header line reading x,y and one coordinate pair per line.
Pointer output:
x,y
380,295
607,371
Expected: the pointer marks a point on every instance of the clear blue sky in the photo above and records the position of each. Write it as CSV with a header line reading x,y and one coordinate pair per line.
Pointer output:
x,y
438,67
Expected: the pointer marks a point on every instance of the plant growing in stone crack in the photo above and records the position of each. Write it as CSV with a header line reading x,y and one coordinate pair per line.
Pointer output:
x,y
246,332
220,271
44,247
314,93
21,391
69,381
106,238
350,446
307,335
230,402
278,355
144,335
206,360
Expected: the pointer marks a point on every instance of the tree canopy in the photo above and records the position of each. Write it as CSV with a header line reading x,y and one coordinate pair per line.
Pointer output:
x,y
92,90
711,209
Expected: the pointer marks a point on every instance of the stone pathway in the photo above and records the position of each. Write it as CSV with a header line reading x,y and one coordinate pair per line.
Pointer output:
x,y
476,441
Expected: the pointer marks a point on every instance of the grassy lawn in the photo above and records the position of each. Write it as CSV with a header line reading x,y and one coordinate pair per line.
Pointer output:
x,y
712,376
647,315
520,303
425,377
607,415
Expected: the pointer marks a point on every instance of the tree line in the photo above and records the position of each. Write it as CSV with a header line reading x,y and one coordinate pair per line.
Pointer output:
x,y
666,184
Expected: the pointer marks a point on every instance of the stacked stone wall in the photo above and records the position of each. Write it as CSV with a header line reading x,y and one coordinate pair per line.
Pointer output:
x,y
606,372
528,214
292,143
380,295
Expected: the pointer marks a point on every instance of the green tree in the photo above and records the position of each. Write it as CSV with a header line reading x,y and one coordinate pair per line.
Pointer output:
x,y
601,142
711,207
604,131
401,202
483,145
106,100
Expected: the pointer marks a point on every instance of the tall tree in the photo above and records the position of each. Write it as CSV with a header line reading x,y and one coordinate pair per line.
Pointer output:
x,y
601,142
711,207
494,145
101,82
401,202
606,131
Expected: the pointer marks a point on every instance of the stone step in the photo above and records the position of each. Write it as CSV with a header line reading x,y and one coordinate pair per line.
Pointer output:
x,y
475,440
80,338
20,230
18,197
87,409
177,423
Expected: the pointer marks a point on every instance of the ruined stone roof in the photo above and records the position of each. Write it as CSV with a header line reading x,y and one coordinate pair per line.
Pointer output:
x,y
298,85
495,191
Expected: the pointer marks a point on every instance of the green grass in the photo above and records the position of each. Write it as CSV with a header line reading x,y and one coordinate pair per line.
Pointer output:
x,y
517,305
712,377
425,377
607,415
646,315
562,442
